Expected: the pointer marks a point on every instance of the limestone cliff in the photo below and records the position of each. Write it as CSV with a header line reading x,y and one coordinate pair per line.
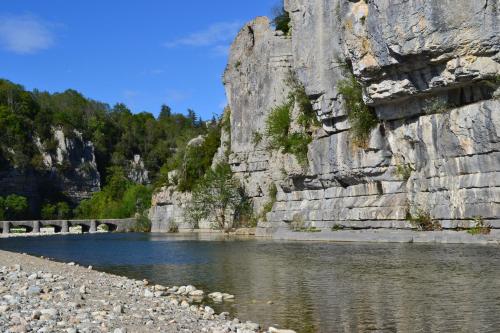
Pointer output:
x,y
409,56
70,169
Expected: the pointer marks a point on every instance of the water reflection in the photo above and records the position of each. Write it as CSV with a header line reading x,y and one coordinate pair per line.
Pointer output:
x,y
314,287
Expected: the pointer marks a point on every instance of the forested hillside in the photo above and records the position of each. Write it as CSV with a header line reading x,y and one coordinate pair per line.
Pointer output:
x,y
102,145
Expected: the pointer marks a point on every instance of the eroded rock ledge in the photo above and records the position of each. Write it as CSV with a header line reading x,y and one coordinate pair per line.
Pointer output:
x,y
407,55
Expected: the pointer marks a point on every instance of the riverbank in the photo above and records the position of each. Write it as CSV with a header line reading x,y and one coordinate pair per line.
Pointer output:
x,y
339,236
39,295
390,236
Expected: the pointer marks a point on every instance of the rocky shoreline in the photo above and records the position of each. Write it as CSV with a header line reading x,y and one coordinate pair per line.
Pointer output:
x,y
39,295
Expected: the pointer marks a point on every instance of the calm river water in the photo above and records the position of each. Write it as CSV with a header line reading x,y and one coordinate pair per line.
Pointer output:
x,y
314,287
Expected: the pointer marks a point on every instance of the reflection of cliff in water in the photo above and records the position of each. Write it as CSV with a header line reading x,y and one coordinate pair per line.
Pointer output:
x,y
346,287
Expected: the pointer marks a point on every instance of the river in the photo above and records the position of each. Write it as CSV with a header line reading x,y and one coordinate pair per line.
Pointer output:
x,y
309,287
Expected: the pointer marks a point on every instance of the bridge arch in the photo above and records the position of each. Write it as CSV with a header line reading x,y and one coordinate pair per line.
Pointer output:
x,y
84,225
108,226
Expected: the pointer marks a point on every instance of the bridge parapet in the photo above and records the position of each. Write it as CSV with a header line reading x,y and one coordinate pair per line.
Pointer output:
x,y
116,225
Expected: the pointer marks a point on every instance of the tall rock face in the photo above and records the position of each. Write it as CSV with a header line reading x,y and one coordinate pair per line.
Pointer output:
x,y
70,169
408,56
430,71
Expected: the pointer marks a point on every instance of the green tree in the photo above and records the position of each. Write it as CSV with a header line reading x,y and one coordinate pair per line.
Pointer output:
x,y
166,112
15,207
217,197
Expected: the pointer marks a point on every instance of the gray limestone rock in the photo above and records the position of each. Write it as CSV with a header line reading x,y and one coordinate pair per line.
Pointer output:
x,y
430,72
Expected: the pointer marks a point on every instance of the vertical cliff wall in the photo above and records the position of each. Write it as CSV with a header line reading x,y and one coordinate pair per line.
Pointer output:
x,y
407,55
429,70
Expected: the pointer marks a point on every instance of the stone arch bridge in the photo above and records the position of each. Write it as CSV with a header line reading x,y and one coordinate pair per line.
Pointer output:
x,y
62,226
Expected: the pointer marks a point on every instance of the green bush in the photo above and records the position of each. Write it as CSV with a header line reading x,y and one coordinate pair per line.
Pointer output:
x,y
13,207
197,160
307,117
278,125
361,117
281,20
142,223
279,122
423,221
121,198
60,210
173,227
217,197
480,227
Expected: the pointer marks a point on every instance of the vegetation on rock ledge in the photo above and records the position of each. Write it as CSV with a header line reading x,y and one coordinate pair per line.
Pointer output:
x,y
279,122
281,20
361,117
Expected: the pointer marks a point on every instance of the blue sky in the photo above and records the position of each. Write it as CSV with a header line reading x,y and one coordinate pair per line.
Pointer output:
x,y
142,53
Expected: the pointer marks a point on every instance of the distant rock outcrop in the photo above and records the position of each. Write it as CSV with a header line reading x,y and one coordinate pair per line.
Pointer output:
x,y
71,169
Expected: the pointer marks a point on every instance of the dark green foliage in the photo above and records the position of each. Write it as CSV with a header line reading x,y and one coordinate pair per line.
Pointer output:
x,y
120,198
307,117
142,223
297,145
60,210
361,117
13,207
218,196
197,160
279,122
117,133
278,125
281,20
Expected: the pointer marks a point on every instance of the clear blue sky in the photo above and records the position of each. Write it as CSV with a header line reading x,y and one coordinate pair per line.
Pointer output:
x,y
142,53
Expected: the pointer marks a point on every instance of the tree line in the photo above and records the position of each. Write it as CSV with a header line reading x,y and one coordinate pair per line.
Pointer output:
x,y
28,120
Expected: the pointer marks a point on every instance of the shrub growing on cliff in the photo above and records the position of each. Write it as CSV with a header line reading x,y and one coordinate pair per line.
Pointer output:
x,y
298,95
278,125
361,117
279,122
480,227
198,159
281,20
423,221
218,197
404,171
268,207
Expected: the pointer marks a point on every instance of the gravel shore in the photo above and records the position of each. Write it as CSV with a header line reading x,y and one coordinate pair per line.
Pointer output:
x,y
39,295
